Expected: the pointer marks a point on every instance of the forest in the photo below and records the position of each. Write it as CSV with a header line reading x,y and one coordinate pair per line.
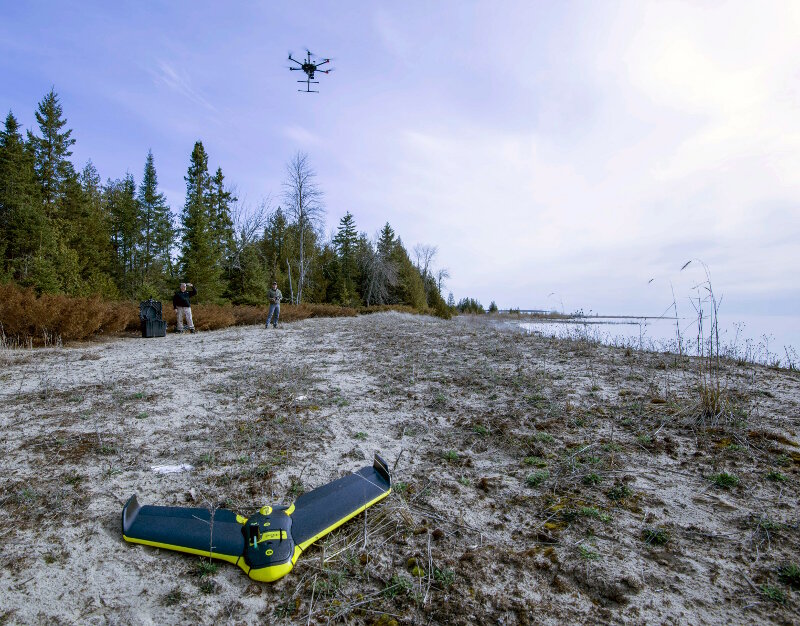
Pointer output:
x,y
64,231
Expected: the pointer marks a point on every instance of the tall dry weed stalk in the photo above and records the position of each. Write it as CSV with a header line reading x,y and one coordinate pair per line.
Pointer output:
x,y
712,390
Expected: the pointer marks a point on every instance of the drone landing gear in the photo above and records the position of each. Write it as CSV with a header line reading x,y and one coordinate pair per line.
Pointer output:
x,y
308,86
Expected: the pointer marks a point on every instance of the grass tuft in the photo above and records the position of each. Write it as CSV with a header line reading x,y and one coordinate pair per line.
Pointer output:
x,y
655,536
725,480
619,491
592,479
537,478
790,574
774,593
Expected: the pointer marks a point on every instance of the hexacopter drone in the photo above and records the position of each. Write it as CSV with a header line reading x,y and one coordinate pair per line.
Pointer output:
x,y
309,67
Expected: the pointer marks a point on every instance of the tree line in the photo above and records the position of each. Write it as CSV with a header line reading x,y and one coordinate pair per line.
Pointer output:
x,y
62,230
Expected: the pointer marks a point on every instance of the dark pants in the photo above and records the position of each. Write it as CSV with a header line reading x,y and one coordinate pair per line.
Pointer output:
x,y
274,309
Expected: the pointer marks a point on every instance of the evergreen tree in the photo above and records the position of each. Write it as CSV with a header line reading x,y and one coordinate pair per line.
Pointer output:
x,y
51,151
251,279
26,235
409,288
123,212
386,241
92,236
345,242
324,283
273,244
157,232
220,220
200,261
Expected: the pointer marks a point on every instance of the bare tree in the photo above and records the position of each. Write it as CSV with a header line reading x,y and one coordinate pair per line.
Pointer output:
x,y
247,225
379,271
441,275
425,254
304,205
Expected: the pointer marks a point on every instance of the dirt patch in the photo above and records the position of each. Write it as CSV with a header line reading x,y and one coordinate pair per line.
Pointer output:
x,y
536,481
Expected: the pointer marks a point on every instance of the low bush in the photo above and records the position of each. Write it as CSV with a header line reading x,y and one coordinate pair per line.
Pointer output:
x,y
26,318
47,318
216,316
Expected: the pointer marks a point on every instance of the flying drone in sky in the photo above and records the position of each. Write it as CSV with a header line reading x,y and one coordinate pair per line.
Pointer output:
x,y
309,67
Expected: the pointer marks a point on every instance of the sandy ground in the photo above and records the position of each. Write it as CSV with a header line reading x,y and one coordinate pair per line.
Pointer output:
x,y
537,481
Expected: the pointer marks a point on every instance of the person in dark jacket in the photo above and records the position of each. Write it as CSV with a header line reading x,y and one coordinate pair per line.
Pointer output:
x,y
183,307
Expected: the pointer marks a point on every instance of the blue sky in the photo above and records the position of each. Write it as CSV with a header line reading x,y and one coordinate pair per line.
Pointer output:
x,y
572,148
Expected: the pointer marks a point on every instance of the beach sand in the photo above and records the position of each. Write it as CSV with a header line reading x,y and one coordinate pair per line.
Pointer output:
x,y
536,481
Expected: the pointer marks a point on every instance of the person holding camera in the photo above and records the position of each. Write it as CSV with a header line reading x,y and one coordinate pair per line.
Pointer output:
x,y
183,307
274,295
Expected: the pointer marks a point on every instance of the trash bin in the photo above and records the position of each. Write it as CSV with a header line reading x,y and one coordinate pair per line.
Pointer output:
x,y
150,318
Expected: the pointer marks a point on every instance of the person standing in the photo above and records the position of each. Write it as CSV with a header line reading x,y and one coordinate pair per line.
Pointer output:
x,y
274,295
183,307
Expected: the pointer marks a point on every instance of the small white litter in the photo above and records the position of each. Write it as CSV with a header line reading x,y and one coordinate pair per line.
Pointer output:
x,y
171,469
300,398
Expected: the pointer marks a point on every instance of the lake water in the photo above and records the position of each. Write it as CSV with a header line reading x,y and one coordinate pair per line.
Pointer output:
x,y
767,339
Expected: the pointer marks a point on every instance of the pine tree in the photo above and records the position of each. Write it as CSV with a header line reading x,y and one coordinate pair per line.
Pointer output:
x,y
251,277
386,241
345,242
200,260
25,232
51,151
409,288
157,232
123,211
273,244
88,231
220,220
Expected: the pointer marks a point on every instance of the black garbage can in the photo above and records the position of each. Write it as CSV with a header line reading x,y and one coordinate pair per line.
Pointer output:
x,y
150,318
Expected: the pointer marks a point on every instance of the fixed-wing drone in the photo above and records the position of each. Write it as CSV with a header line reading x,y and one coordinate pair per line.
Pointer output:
x,y
309,67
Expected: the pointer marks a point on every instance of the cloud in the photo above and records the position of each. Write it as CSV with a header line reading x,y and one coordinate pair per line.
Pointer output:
x,y
179,82
301,136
